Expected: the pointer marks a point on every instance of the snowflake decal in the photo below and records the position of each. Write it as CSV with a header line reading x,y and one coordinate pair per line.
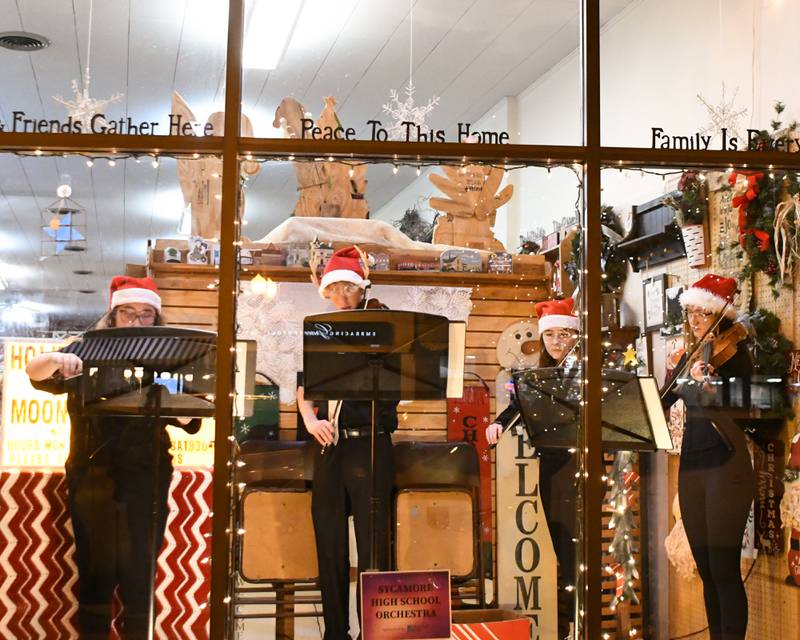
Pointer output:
x,y
407,111
723,115
83,108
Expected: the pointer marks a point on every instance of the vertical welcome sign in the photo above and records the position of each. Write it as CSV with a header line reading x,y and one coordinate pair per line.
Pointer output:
x,y
526,562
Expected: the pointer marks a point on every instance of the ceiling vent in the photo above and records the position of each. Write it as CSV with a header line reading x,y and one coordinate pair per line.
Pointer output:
x,y
23,41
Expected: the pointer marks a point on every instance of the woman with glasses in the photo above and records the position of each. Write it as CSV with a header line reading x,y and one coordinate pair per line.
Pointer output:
x,y
115,470
716,481
558,331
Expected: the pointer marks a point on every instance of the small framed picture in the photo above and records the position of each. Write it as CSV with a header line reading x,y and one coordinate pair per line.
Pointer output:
x,y
653,291
673,313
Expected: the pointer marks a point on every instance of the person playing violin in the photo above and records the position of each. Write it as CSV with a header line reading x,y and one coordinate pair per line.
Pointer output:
x,y
716,481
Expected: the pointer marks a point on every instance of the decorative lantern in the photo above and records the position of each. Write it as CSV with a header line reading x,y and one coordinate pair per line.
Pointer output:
x,y
63,224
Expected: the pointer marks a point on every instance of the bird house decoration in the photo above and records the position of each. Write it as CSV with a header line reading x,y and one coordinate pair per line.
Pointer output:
x,y
470,207
63,225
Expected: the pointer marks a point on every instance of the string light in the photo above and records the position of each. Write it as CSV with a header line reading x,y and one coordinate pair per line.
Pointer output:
x,y
155,162
112,163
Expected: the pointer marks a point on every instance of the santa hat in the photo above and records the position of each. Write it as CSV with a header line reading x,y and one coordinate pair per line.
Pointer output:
x,y
712,293
127,290
344,266
556,314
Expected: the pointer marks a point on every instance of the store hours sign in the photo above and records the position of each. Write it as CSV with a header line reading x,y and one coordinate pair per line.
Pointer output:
x,y
35,424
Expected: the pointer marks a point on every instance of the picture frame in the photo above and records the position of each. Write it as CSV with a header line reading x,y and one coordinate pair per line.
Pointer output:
x,y
673,312
653,302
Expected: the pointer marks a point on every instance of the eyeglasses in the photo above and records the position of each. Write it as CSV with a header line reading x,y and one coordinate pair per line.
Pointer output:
x,y
129,316
340,288
697,313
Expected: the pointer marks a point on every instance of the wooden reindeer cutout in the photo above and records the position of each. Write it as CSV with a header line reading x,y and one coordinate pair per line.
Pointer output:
x,y
201,179
471,206
326,189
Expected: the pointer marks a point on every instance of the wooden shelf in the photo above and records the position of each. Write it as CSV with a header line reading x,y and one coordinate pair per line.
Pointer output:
x,y
433,278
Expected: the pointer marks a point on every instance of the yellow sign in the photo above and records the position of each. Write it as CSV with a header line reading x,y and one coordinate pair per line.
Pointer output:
x,y
35,423
35,431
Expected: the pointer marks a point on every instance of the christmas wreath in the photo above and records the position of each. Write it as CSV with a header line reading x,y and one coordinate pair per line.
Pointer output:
x,y
767,205
612,262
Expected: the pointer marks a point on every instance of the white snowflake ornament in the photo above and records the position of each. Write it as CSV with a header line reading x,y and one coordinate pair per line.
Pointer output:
x,y
83,109
723,115
407,111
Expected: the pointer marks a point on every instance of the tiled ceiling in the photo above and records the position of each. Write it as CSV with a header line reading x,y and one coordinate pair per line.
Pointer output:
x,y
470,53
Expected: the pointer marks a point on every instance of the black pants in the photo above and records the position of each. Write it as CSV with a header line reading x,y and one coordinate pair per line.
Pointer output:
x,y
716,487
557,468
341,487
112,517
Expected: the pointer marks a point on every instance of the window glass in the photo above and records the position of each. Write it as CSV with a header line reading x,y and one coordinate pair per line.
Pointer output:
x,y
699,294
138,68
502,520
696,75
107,414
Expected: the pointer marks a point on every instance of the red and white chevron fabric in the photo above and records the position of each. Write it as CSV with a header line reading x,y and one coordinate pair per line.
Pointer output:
x,y
519,629
38,577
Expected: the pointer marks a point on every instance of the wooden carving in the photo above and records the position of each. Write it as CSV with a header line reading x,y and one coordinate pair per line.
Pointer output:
x,y
201,179
326,189
470,207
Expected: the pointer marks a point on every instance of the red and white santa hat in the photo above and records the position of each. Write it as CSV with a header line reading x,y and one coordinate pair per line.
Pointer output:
x,y
127,290
344,266
556,314
712,293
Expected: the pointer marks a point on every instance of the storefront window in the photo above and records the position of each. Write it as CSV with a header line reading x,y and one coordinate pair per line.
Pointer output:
x,y
706,307
461,72
108,386
719,74
503,521
141,69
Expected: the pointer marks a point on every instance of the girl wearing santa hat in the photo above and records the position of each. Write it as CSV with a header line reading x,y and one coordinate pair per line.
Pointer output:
x,y
113,471
558,329
716,481
342,484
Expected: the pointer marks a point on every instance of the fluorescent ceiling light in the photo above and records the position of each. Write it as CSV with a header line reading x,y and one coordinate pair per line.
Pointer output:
x,y
269,27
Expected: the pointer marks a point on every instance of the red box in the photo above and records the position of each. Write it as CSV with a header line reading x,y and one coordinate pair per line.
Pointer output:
x,y
490,624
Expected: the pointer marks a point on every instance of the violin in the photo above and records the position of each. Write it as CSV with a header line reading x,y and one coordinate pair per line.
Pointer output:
x,y
719,350
713,350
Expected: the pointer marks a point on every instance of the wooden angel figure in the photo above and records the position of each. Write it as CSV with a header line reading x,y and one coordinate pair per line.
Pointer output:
x,y
201,179
326,189
470,207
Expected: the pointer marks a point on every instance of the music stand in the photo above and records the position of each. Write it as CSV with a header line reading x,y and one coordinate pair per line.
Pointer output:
x,y
632,418
381,355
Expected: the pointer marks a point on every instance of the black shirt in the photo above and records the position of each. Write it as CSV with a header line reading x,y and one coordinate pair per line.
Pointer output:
x,y
734,377
124,443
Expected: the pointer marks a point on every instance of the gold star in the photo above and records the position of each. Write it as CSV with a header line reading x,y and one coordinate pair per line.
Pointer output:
x,y
630,356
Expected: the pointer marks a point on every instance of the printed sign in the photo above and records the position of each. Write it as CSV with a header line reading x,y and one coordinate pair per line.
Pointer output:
x,y
35,427
405,605
35,423
526,560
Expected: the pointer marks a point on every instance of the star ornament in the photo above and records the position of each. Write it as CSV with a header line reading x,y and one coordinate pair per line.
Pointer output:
x,y
407,111
723,115
64,233
83,108
630,356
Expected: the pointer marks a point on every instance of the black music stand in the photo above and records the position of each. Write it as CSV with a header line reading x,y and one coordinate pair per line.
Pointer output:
x,y
632,418
381,355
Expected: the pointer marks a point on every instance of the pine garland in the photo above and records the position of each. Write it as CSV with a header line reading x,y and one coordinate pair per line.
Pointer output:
x,y
624,479
613,264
